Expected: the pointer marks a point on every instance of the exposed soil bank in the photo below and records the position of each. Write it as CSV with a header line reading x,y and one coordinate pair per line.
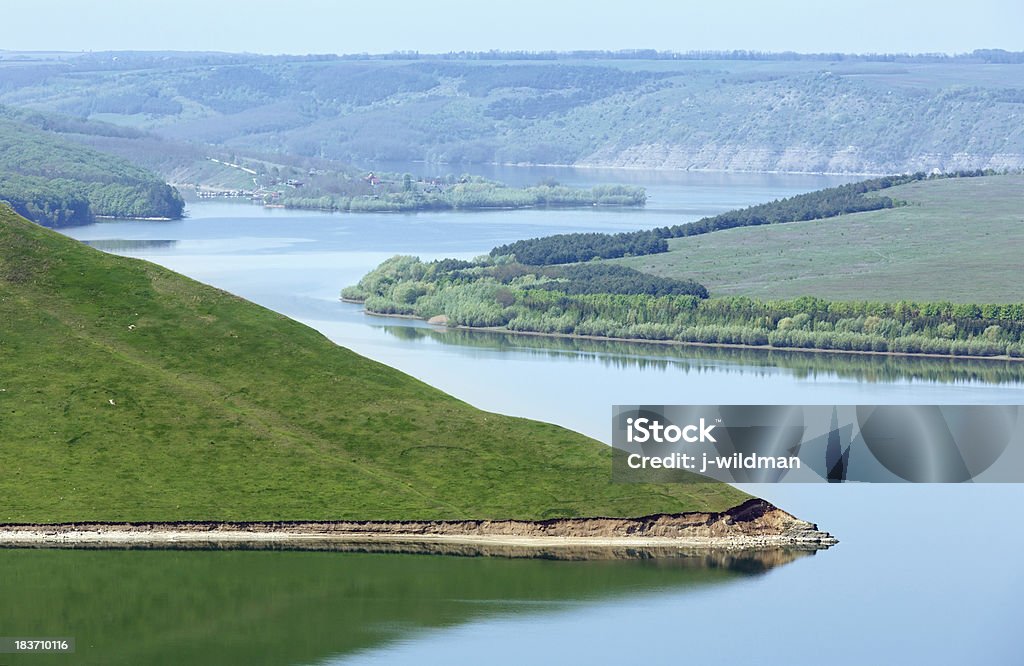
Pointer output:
x,y
755,525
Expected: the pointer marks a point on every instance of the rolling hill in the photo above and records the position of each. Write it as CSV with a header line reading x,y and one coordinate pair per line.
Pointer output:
x,y
955,239
129,392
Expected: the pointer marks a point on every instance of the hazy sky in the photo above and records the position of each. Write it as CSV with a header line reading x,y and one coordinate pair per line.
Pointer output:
x,y
381,26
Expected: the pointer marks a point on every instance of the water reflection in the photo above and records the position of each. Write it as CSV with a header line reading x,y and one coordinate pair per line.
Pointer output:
x,y
240,607
749,561
652,356
130,245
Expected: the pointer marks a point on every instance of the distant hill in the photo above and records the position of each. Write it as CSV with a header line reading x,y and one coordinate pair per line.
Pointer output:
x,y
129,392
57,182
210,171
731,111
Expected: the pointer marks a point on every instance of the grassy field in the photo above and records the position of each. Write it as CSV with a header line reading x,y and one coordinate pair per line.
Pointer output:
x,y
128,392
959,240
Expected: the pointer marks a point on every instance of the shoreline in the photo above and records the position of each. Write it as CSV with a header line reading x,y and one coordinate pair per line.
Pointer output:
x,y
755,525
410,211
139,219
686,343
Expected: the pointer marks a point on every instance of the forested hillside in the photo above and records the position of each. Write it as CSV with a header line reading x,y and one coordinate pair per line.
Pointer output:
x,y
53,181
777,112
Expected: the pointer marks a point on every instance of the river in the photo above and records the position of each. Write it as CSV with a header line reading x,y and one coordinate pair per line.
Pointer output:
x,y
923,573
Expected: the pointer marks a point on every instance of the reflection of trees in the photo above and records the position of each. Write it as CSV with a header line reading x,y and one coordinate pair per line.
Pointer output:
x,y
123,245
802,365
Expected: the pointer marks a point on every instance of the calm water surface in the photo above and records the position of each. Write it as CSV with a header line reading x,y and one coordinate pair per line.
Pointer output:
x,y
923,574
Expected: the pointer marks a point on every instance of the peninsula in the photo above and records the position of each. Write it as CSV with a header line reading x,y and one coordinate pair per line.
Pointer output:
x,y
133,395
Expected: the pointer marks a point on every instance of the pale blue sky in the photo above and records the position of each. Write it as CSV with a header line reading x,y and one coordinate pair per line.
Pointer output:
x,y
381,26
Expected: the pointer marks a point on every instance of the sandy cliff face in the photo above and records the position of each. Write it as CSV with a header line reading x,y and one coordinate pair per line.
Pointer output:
x,y
796,159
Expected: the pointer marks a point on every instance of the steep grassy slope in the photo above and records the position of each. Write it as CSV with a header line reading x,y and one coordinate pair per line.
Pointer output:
x,y
128,392
958,240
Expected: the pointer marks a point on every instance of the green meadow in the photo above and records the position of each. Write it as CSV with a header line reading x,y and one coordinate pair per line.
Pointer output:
x,y
956,239
131,393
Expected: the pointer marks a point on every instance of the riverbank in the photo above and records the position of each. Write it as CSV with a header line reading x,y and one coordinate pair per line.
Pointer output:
x,y
753,525
139,219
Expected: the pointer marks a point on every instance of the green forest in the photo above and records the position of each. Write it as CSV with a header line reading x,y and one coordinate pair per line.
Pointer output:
x,y
56,182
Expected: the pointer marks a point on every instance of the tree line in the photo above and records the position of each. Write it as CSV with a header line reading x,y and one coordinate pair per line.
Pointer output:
x,y
571,248
407,195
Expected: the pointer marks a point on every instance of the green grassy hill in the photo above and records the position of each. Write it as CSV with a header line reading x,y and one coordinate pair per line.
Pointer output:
x,y
128,392
956,240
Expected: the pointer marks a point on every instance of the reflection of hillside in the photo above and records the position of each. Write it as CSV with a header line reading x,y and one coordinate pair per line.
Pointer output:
x,y
646,355
241,607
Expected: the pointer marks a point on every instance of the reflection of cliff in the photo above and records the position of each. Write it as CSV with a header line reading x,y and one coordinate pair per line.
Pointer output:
x,y
647,355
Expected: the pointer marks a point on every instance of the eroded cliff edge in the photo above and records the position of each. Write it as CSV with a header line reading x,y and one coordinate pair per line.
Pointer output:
x,y
753,525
